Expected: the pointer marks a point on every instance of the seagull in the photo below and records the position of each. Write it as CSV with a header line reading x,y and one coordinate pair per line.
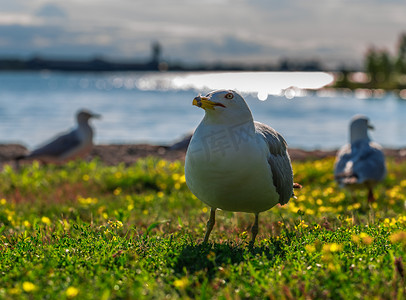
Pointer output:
x,y
361,163
234,163
67,146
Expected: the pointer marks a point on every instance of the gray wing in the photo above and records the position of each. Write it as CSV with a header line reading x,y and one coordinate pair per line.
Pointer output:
x,y
371,164
342,158
279,161
58,146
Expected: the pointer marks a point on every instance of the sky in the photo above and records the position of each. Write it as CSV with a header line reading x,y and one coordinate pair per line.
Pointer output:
x,y
335,32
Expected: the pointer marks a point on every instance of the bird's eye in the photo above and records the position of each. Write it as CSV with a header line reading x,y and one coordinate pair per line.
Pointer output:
x,y
229,96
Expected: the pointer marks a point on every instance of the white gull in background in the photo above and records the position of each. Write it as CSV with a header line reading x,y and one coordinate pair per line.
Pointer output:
x,y
67,146
361,163
235,164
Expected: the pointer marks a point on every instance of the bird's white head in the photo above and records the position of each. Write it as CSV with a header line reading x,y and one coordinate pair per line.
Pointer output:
x,y
84,115
226,106
359,128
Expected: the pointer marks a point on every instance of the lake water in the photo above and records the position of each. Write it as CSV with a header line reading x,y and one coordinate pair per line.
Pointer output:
x,y
157,107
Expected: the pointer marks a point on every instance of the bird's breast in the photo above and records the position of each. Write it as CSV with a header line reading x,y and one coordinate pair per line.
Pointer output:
x,y
234,178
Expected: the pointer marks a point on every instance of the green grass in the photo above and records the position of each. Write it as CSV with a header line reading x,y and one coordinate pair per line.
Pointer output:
x,y
90,231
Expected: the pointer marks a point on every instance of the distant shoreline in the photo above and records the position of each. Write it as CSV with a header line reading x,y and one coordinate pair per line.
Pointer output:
x,y
98,64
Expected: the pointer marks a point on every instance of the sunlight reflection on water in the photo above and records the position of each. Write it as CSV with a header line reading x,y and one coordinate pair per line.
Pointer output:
x,y
261,84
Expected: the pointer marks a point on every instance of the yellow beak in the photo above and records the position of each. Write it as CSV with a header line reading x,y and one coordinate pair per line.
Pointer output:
x,y
205,103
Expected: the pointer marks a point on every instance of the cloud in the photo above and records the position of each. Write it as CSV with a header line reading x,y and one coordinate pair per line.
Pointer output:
x,y
209,30
50,10
7,19
228,45
27,41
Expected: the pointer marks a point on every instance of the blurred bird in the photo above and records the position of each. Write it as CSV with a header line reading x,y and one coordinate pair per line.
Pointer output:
x,y
183,143
67,146
361,163
235,164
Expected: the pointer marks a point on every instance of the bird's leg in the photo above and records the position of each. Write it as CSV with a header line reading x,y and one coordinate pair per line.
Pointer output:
x,y
210,224
371,198
254,229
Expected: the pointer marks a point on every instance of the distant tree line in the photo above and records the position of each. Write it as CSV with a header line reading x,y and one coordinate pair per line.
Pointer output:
x,y
383,70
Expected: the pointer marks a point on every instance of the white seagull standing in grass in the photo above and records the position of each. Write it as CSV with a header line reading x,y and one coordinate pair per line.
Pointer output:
x,y
67,146
235,164
362,162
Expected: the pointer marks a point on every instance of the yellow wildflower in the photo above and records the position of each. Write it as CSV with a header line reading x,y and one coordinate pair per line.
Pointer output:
x,y
365,238
356,205
29,287
46,220
402,219
333,247
115,224
181,283
161,164
14,291
148,198
182,179
310,248
332,267
328,191
310,211
66,224
398,237
355,238
71,292
302,224
87,201
349,220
